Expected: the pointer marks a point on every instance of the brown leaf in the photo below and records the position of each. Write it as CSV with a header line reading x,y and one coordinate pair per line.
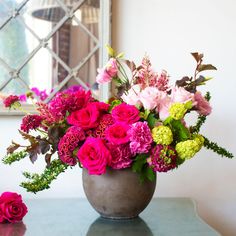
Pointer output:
x,y
12,148
203,67
197,56
131,65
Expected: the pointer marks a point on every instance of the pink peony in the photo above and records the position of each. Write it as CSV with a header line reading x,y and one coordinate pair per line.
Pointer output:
x,y
163,107
85,118
140,137
125,113
132,95
30,122
12,208
105,74
121,156
94,156
117,133
150,97
202,105
179,94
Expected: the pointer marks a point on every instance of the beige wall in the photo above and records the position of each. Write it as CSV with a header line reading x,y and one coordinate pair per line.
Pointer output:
x,y
168,31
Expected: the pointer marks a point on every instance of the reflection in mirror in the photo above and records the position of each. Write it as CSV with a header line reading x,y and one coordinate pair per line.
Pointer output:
x,y
49,45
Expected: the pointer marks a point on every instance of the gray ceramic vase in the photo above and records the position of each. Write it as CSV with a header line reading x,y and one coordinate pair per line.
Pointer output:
x,y
117,194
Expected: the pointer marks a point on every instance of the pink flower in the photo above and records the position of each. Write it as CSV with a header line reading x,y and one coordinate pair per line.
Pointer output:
x,y
85,118
162,158
12,208
105,74
117,133
68,143
163,107
121,156
179,94
10,100
30,122
132,96
94,156
140,137
150,97
203,107
125,113
162,81
105,121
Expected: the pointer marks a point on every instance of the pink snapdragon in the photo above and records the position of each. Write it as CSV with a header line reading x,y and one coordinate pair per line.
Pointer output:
x,y
108,72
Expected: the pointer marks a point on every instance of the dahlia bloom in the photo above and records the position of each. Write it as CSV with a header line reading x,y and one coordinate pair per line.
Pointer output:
x,y
162,158
121,156
140,137
30,122
162,135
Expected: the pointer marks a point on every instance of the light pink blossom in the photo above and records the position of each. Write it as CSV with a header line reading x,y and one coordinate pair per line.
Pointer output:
x,y
202,105
132,95
179,94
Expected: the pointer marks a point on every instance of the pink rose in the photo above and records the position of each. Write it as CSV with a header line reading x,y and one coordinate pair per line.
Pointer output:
x,y
150,97
117,133
179,94
125,113
132,96
87,117
12,208
202,105
121,156
110,70
82,98
94,156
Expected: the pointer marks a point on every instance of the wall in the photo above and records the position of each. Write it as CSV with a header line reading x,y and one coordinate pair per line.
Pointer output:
x,y
168,31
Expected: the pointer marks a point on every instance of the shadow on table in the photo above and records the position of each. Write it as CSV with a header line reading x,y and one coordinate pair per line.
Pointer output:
x,y
12,229
106,227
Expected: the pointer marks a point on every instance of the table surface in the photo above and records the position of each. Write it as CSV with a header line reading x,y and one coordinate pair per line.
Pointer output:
x,y
75,217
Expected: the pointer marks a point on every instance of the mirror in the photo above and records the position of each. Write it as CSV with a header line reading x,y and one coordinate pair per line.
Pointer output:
x,y
50,45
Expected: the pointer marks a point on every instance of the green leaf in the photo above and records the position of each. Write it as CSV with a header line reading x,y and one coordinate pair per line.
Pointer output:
x,y
120,55
150,174
152,120
204,67
139,162
13,157
180,132
110,51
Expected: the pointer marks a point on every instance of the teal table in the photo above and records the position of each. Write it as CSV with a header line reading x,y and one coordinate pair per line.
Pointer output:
x,y
75,217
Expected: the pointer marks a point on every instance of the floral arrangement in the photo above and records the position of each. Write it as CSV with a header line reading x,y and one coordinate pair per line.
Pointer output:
x,y
142,127
12,208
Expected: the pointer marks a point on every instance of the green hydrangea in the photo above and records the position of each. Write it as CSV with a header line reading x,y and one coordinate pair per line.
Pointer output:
x,y
187,149
162,135
177,110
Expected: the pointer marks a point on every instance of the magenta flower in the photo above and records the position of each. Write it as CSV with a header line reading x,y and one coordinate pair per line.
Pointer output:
x,y
121,156
68,143
162,158
12,208
10,100
105,121
125,113
140,137
117,133
94,156
30,122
